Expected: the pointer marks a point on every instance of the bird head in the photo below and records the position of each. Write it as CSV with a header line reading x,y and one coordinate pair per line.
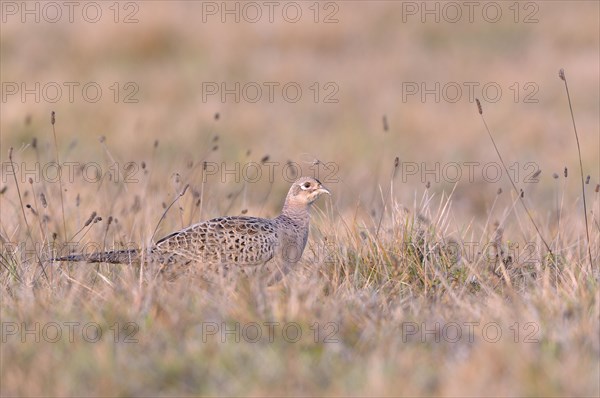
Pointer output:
x,y
305,191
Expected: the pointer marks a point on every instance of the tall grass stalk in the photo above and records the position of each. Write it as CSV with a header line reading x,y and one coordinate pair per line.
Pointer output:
x,y
562,76
519,193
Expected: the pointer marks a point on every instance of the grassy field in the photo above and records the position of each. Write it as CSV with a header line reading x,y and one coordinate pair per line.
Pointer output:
x,y
426,273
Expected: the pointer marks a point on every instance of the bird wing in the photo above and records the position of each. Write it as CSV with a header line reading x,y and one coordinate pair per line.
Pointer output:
x,y
223,240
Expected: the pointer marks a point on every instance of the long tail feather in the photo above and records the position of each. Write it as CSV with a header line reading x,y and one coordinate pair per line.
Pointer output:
x,y
113,257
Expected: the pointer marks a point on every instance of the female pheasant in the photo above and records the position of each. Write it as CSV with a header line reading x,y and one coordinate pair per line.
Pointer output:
x,y
233,241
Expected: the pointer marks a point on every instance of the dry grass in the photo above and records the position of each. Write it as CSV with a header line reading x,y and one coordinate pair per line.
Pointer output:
x,y
391,304
394,268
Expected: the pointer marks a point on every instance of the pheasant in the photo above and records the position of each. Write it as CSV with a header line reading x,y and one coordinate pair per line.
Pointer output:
x,y
232,241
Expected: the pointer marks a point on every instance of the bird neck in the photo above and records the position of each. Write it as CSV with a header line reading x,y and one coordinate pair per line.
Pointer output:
x,y
298,214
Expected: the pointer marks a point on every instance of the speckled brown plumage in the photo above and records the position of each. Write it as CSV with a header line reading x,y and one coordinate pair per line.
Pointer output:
x,y
233,241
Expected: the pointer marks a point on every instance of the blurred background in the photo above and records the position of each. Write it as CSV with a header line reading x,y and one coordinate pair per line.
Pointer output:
x,y
352,85
233,100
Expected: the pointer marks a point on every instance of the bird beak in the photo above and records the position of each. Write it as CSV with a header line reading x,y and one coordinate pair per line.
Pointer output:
x,y
322,189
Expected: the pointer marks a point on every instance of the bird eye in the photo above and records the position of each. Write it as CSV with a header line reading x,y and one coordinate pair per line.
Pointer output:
x,y
306,185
